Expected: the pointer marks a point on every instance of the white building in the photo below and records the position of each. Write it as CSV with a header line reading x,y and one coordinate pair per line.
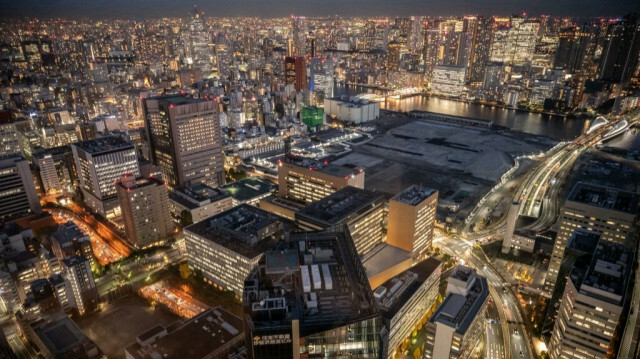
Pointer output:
x,y
448,80
100,163
351,109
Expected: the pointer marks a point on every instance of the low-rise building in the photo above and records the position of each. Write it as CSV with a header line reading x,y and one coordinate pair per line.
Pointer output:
x,y
214,333
351,109
69,241
249,190
201,201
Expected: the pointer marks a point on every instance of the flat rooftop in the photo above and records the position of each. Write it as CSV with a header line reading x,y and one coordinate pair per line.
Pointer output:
x,y
61,336
397,291
414,195
237,229
196,338
177,99
458,311
248,188
338,206
605,197
382,257
606,275
198,195
68,232
316,278
104,144
321,166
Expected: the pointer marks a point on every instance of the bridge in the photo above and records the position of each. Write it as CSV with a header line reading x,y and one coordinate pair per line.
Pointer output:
x,y
394,94
599,122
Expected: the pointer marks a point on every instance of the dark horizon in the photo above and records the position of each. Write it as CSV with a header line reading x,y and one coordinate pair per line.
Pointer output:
x,y
122,9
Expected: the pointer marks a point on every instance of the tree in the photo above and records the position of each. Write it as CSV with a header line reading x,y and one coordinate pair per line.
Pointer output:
x,y
184,270
185,218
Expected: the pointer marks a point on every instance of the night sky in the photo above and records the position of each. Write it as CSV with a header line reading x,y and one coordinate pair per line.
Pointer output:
x,y
277,8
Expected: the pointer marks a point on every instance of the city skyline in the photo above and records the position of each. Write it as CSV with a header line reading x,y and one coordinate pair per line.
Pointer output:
x,y
188,181
281,8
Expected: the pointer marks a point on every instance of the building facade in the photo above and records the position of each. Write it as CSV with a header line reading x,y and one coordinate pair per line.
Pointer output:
x,y
99,164
185,140
412,216
607,211
144,203
307,180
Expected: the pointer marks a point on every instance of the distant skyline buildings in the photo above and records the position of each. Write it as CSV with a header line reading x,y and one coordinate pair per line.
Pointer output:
x,y
128,9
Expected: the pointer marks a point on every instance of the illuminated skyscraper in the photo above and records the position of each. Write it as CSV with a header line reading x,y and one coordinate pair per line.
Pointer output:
x,y
295,72
198,54
185,140
145,209
100,163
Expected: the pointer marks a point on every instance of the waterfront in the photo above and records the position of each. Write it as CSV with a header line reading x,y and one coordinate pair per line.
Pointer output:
x,y
554,127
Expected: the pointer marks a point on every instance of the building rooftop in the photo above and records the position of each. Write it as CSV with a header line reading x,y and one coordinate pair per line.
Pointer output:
x,y
414,195
322,166
62,337
458,311
197,196
605,197
129,181
397,291
239,229
382,257
339,206
177,99
248,188
197,337
316,278
606,274
104,145
68,232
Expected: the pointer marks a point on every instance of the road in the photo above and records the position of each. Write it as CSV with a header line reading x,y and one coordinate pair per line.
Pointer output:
x,y
108,235
102,249
515,337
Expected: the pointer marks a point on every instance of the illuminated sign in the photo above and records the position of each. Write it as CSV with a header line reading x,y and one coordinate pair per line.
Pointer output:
x,y
272,339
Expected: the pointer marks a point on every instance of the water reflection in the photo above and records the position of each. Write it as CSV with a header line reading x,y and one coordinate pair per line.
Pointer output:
x,y
555,127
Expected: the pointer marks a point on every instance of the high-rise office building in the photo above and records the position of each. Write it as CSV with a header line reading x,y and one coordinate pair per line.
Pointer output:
x,y
295,72
144,203
448,80
100,163
185,140
79,278
412,216
573,45
455,328
9,138
620,52
198,52
592,304
406,300
309,297
608,211
394,53
48,174
18,196
227,246
358,209
307,180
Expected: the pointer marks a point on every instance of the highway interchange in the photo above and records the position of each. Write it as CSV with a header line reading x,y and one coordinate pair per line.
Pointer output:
x,y
541,194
